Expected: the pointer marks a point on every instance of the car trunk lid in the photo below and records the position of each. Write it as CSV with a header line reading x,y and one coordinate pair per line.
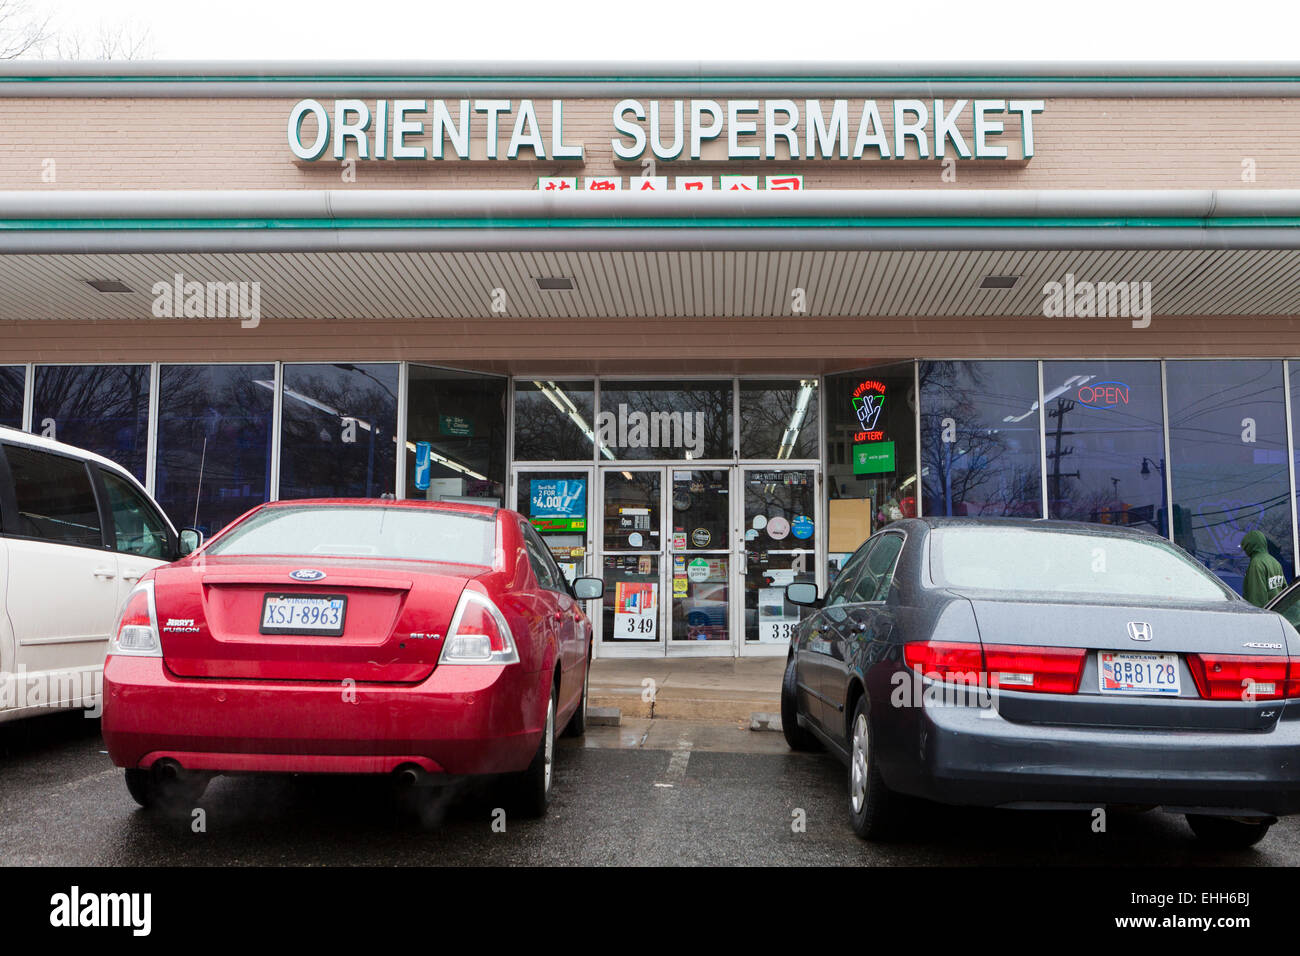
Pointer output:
x,y
1146,635
213,623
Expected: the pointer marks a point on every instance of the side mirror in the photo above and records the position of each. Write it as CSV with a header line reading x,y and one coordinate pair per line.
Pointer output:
x,y
588,589
191,539
805,594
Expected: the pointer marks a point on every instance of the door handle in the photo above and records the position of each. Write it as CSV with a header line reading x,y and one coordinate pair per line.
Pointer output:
x,y
104,573
132,575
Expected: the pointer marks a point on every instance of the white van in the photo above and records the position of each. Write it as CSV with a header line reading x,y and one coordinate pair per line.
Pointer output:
x,y
76,533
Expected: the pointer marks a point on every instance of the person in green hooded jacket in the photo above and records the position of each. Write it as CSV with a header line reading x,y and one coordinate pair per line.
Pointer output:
x,y
1264,577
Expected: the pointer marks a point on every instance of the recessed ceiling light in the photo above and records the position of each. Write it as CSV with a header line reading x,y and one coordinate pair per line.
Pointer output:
x,y
109,285
554,283
998,282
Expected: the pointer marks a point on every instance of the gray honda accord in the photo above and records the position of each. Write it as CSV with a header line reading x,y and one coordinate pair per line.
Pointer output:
x,y
1045,664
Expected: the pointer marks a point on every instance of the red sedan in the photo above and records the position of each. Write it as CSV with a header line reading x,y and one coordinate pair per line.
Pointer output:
x,y
427,641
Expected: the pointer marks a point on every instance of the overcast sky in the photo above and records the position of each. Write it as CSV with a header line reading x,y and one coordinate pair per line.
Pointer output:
x,y
805,30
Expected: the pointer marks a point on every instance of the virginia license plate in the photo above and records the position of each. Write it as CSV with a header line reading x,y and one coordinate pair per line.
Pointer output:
x,y
1130,672
304,614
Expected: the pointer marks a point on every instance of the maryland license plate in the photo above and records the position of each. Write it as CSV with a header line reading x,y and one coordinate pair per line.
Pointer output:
x,y
1130,672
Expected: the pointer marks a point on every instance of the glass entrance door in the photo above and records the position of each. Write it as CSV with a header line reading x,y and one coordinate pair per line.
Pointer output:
x,y
557,502
632,557
779,547
699,549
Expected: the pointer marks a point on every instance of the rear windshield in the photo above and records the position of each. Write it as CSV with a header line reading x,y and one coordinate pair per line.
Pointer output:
x,y
1067,562
364,532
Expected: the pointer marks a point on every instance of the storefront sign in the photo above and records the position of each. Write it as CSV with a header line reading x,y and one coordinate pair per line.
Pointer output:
x,y
868,402
696,129
873,458
1103,395
455,426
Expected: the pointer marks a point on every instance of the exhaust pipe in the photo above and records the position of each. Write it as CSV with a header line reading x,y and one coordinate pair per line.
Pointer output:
x,y
411,776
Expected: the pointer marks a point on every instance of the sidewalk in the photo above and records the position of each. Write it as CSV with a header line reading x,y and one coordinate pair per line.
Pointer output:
x,y
688,688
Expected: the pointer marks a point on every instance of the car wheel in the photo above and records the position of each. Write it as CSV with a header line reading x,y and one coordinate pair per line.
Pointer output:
x,y
577,725
159,789
873,807
797,737
1226,833
532,789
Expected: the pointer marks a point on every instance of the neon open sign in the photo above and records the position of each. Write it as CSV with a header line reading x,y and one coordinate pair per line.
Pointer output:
x,y
1103,395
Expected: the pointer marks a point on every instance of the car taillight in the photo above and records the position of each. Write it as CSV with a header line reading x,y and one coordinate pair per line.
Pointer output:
x,y
950,661
1245,676
1046,670
136,634
478,634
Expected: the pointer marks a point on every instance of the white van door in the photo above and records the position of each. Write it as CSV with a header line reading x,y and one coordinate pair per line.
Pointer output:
x,y
62,588
141,536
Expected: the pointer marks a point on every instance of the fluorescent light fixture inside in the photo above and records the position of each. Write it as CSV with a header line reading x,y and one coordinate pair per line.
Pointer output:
x,y
109,285
554,283
998,282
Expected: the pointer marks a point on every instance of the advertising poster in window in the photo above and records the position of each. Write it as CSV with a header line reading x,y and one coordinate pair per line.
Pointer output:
x,y
636,611
776,619
558,504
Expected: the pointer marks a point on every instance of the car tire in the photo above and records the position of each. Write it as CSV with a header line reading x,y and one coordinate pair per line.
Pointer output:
x,y
1226,833
873,807
153,791
532,788
577,725
797,737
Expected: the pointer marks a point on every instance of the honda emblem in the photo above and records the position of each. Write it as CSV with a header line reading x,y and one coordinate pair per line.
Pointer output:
x,y
1139,630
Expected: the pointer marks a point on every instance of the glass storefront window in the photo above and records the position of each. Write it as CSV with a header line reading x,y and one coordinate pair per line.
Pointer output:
x,y
13,382
980,450
778,419
462,417
101,408
780,509
700,546
557,503
633,549
554,421
632,510
1228,445
871,440
1104,424
667,420
214,442
339,428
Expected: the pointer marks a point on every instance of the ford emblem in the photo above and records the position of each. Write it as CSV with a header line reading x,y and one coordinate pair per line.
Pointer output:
x,y
306,574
